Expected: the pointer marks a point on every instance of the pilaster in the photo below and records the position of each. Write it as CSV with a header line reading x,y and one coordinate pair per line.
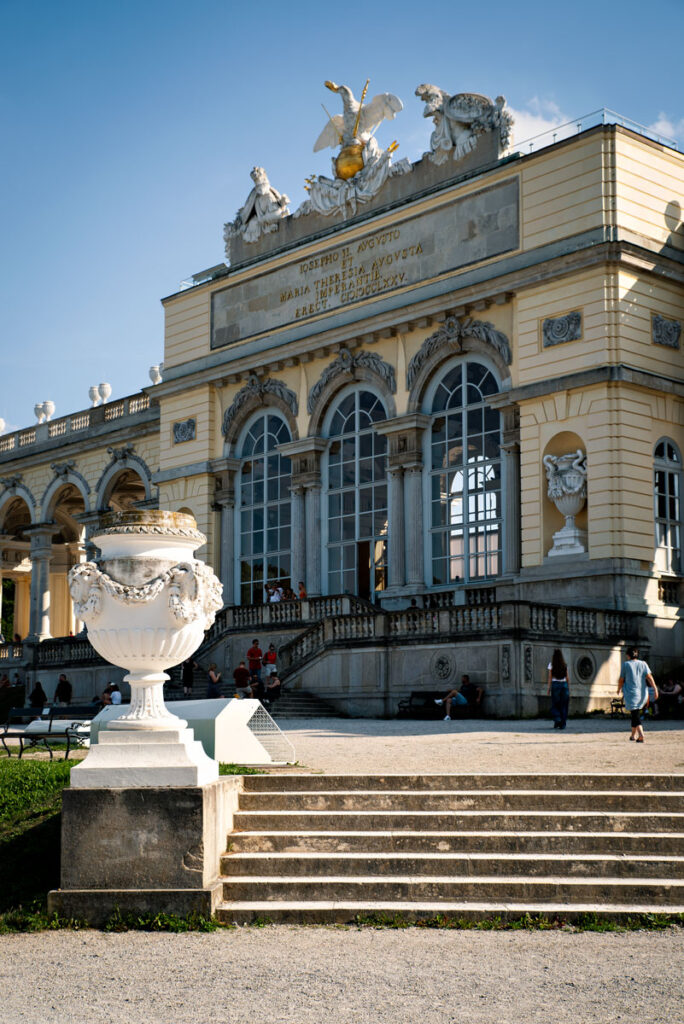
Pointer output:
x,y
306,542
41,553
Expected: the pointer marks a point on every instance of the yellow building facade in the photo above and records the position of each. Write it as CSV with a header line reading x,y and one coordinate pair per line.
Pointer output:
x,y
379,403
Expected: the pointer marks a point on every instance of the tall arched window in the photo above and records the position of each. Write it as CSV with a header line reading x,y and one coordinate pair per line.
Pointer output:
x,y
465,477
264,491
668,509
357,497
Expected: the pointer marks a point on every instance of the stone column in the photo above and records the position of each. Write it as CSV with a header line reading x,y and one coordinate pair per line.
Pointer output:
x,y
510,453
405,501
298,537
226,573
415,569
77,553
396,533
224,503
41,553
305,489
313,539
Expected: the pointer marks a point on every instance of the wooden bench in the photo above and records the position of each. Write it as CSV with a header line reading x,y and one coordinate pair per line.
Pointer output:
x,y
421,704
61,723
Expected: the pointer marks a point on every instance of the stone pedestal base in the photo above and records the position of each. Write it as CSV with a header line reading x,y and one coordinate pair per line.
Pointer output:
x,y
568,541
126,758
143,850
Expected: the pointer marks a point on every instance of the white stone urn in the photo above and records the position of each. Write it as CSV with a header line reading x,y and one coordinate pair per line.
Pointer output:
x,y
146,603
105,391
567,488
94,395
49,409
155,374
39,410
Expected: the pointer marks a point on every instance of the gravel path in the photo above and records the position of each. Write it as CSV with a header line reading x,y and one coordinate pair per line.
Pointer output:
x,y
343,976
398,746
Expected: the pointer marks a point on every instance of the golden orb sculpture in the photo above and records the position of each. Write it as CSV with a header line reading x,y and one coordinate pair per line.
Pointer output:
x,y
349,161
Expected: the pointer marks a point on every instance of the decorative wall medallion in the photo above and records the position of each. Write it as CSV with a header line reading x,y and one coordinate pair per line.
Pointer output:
x,y
556,330
450,336
442,666
528,664
256,389
665,332
505,663
184,431
585,669
345,364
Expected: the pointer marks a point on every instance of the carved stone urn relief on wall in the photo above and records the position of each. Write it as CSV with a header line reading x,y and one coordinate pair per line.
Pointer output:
x,y
567,488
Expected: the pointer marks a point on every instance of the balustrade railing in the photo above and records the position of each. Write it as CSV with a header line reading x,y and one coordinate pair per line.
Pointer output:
x,y
580,621
11,652
353,627
413,622
482,619
65,649
543,619
74,422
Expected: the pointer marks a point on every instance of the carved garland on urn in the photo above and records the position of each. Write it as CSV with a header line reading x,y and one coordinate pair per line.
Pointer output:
x,y
345,365
193,590
257,389
451,336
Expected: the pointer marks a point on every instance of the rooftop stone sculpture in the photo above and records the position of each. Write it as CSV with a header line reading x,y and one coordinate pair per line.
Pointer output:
x,y
460,120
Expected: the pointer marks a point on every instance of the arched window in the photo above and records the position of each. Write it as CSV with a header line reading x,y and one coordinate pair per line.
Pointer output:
x,y
465,477
668,509
357,497
264,491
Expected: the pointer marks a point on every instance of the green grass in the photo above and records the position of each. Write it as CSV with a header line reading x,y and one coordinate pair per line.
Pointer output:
x,y
239,769
527,922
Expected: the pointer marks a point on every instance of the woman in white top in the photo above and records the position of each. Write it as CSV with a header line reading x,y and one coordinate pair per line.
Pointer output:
x,y
559,688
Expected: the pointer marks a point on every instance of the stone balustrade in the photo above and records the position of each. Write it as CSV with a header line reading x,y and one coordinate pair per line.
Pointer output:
x,y
66,650
10,653
68,428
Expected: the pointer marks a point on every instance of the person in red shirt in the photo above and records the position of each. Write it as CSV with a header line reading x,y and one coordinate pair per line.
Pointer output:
x,y
269,659
254,656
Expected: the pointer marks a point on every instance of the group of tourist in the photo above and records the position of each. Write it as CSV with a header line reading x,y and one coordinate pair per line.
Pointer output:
x,y
255,677
276,591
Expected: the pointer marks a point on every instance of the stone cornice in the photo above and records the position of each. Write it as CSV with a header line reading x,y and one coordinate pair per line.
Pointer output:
x,y
464,293
618,373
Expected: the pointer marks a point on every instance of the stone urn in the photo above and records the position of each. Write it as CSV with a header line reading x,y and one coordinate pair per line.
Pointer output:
x,y
567,488
146,602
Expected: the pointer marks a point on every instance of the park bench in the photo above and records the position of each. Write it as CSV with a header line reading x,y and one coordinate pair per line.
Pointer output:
x,y
421,704
61,723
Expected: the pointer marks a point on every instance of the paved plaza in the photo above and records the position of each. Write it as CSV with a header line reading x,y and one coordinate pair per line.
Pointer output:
x,y
400,746
347,975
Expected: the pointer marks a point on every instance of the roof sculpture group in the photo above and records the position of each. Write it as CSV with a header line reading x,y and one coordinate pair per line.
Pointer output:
x,y
361,167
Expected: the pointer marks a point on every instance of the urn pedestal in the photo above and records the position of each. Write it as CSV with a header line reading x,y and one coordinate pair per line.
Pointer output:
x,y
146,603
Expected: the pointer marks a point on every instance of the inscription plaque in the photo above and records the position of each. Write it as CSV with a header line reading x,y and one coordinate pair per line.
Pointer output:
x,y
468,230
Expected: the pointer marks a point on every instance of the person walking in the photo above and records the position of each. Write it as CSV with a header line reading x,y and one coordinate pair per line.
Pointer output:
x,y
634,683
559,687
188,676
63,691
213,681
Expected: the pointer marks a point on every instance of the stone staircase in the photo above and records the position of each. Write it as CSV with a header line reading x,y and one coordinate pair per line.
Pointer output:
x,y
297,704
316,849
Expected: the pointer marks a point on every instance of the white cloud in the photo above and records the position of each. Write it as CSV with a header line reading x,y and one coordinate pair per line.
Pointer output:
x,y
666,126
539,115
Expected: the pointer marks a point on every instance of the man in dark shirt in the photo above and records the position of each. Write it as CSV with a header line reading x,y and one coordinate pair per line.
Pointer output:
x,y
63,691
469,695
241,677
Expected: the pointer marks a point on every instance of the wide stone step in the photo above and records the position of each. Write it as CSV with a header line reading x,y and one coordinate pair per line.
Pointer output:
x,y
472,800
349,912
501,841
452,821
636,891
448,864
484,781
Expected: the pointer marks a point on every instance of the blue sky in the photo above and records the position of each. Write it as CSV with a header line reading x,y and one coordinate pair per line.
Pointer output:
x,y
129,130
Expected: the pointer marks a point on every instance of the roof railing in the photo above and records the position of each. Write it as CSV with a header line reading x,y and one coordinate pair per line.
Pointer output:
x,y
582,124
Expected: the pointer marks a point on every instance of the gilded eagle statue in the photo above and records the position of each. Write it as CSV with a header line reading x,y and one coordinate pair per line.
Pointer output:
x,y
356,122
